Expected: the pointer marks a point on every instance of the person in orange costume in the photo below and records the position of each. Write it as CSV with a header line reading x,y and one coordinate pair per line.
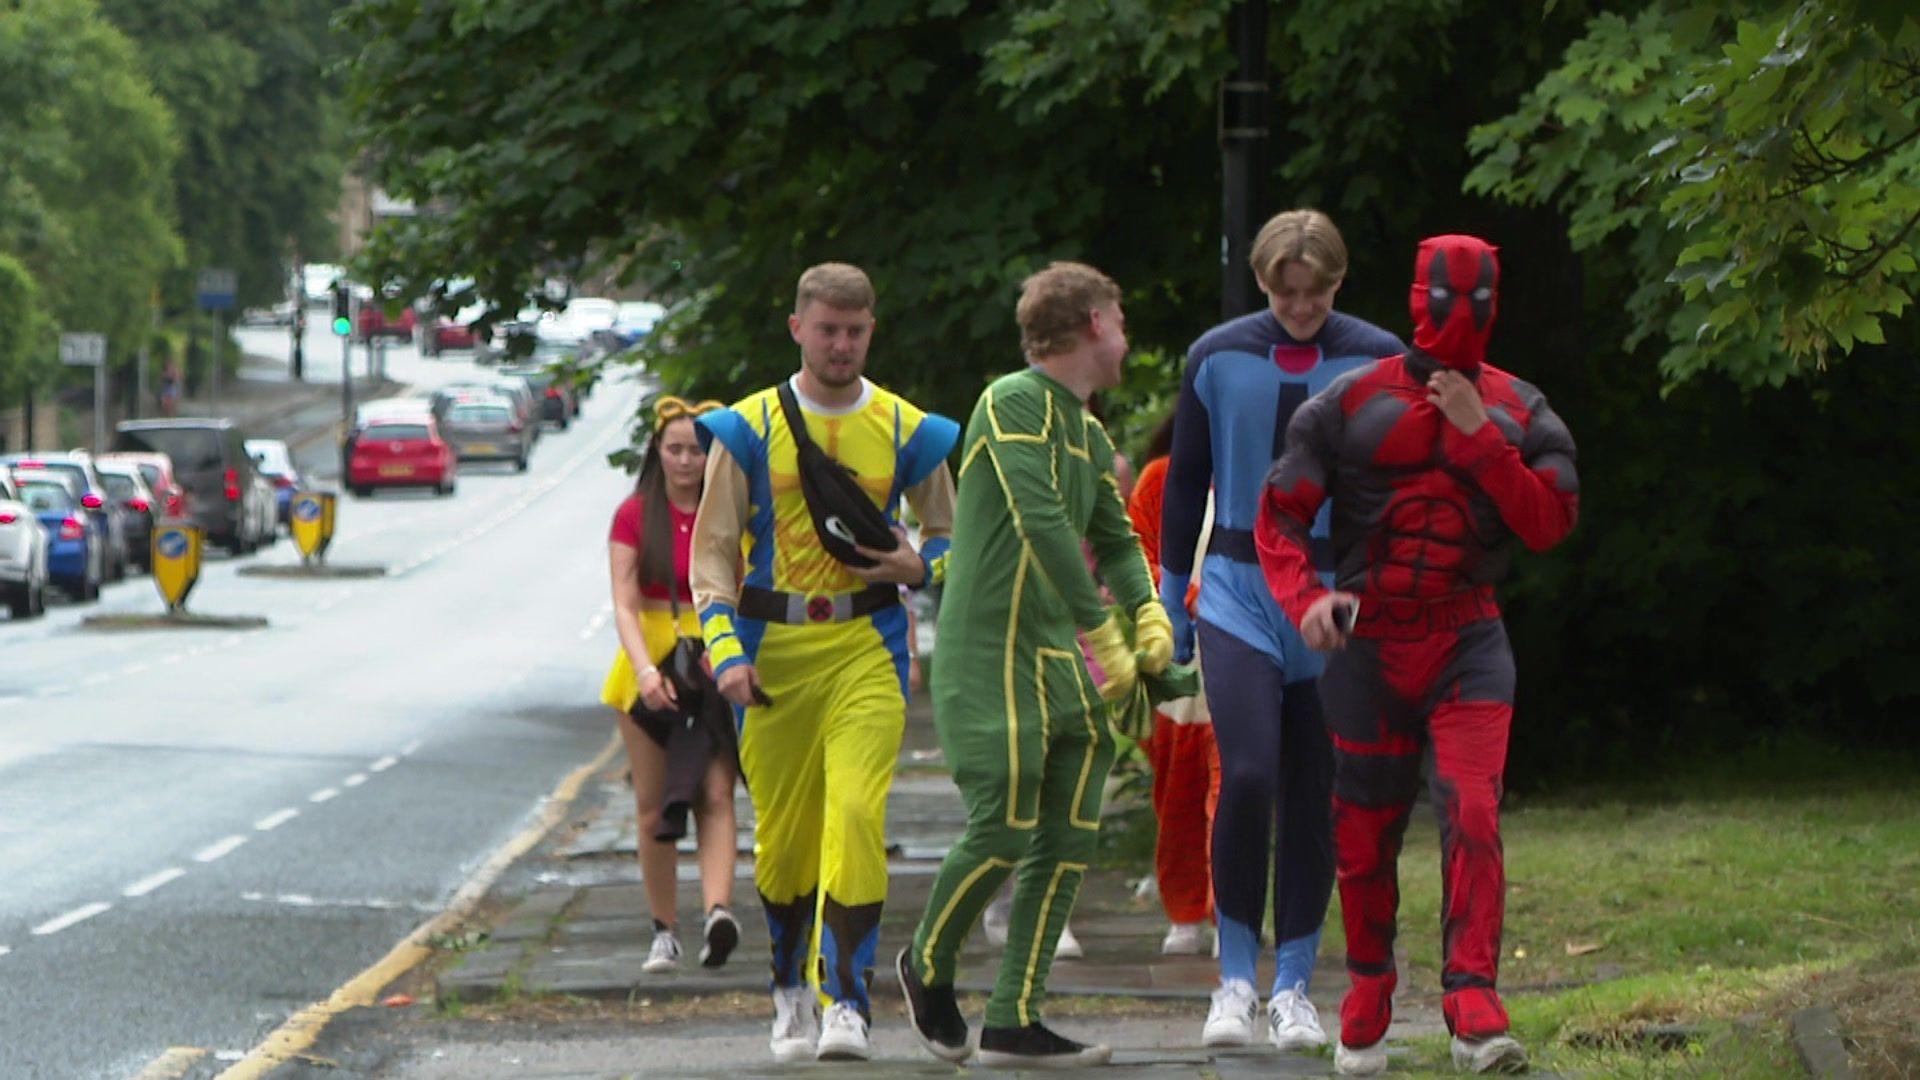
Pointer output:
x,y
1186,763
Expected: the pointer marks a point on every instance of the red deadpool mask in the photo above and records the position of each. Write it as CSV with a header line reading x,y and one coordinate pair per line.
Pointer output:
x,y
1456,287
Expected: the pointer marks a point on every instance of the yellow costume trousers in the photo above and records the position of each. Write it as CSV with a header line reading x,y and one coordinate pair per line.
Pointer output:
x,y
818,763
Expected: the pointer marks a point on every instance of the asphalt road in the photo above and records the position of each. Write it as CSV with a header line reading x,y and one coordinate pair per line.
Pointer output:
x,y
203,831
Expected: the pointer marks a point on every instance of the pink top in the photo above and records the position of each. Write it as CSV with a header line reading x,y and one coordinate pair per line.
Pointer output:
x,y
627,529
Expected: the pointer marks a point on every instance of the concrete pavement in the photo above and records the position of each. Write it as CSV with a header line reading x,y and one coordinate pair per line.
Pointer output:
x,y
573,934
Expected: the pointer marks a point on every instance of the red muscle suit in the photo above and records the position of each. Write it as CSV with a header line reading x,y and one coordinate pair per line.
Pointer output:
x,y
1423,521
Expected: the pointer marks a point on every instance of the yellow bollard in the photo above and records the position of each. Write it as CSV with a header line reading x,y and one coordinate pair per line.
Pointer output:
x,y
177,547
312,519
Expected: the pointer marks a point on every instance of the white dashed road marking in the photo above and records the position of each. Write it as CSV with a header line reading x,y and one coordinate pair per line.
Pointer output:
x,y
323,795
153,881
77,915
355,780
384,764
219,849
276,819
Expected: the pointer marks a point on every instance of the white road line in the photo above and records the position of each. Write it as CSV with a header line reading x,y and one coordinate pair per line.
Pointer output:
x,y
408,749
12,699
5,949
219,849
384,764
276,819
323,795
77,915
355,780
153,881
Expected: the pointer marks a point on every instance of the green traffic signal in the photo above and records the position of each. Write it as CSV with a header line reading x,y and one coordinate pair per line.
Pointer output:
x,y
342,326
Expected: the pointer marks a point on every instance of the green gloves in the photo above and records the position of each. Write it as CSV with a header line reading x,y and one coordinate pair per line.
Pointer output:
x,y
1153,637
1133,715
1115,657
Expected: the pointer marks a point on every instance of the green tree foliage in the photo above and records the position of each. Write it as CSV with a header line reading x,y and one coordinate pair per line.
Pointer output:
x,y
713,151
249,86
86,214
1761,161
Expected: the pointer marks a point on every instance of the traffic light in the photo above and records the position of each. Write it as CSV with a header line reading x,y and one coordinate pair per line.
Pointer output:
x,y
342,309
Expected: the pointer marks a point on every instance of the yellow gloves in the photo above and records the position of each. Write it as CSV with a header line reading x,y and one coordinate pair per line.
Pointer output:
x,y
1153,637
1115,657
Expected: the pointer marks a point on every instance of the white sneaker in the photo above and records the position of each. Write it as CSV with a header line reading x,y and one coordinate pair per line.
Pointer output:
x,y
1494,1054
1068,947
1293,1023
843,1034
1184,939
1230,1018
1364,1061
796,1022
665,954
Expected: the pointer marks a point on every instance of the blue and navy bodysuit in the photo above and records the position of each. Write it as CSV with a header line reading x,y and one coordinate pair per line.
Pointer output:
x,y
1243,381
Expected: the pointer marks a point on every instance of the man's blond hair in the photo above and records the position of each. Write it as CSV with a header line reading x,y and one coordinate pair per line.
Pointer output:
x,y
837,285
1056,305
1307,237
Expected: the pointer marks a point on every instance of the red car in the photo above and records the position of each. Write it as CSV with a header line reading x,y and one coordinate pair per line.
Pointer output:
x,y
401,452
374,321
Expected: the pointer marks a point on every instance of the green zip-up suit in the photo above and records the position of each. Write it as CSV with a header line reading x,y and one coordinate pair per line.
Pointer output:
x,y
1020,720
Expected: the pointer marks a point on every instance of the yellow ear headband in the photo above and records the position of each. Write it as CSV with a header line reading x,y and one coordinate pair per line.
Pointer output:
x,y
668,408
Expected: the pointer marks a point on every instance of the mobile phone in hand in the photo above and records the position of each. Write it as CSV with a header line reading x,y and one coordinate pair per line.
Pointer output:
x,y
760,697
1346,615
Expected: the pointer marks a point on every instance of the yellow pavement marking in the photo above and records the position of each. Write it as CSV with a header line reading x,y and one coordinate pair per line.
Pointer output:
x,y
172,1064
303,1028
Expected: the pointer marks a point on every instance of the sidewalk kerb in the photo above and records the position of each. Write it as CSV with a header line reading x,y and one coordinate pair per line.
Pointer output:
x,y
304,1027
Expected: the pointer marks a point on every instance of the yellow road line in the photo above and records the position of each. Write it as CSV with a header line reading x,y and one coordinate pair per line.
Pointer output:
x,y
173,1064
303,1028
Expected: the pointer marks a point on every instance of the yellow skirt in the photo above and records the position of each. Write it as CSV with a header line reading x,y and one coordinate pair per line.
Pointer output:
x,y
621,687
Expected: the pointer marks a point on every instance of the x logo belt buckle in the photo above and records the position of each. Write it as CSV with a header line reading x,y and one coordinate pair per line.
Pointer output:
x,y
820,609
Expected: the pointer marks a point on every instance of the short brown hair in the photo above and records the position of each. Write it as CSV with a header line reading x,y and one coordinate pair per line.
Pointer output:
x,y
1307,237
1056,305
837,285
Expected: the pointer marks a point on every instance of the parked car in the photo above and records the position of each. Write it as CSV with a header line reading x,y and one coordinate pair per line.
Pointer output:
x,y
515,390
23,553
157,471
275,462
398,452
484,427
76,541
93,499
636,319
457,332
210,460
555,397
127,488
373,321
266,519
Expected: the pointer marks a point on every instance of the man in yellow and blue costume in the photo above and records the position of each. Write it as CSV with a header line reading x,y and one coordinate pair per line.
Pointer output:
x,y
813,652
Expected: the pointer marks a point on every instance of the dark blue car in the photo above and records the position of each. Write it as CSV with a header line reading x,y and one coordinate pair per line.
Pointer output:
x,y
76,543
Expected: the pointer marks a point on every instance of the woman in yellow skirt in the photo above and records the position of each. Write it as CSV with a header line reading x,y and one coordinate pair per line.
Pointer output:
x,y
680,752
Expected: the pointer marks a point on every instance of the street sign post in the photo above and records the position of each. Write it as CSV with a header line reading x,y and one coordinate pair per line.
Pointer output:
x,y
90,350
311,518
216,289
177,548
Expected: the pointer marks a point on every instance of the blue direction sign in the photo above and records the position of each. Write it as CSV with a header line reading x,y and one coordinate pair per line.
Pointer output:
x,y
216,289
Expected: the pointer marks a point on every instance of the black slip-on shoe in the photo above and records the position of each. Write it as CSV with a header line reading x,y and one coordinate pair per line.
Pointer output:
x,y
1036,1047
934,1014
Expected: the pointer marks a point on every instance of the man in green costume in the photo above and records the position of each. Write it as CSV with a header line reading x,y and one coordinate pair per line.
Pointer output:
x,y
1025,731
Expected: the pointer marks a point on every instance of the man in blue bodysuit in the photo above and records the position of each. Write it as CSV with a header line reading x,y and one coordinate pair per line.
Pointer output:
x,y
1243,380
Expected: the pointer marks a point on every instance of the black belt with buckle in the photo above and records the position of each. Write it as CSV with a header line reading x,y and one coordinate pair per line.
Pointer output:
x,y
772,605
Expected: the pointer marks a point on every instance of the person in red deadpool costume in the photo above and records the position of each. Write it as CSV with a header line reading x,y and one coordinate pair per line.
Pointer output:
x,y
1435,462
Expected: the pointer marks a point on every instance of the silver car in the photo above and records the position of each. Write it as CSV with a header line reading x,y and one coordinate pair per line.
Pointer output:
x,y
23,554
486,427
